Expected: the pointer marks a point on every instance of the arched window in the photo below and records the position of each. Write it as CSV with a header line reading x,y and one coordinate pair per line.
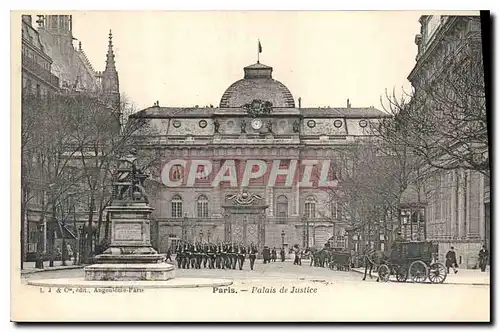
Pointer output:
x,y
177,206
281,209
202,206
310,207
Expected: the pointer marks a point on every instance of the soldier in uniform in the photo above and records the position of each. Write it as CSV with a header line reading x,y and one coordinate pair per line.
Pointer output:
x,y
187,257
225,257
179,256
241,256
228,253
234,256
197,256
252,255
192,257
211,256
204,255
218,257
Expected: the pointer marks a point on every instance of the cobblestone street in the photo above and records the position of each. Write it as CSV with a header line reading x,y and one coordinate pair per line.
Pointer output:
x,y
343,296
278,271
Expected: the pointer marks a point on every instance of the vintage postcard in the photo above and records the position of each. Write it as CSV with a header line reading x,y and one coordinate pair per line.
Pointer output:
x,y
259,166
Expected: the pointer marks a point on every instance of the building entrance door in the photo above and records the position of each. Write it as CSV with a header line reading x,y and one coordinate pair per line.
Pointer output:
x,y
244,219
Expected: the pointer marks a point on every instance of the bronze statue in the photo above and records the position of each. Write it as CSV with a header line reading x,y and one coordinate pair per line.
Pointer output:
x,y
129,180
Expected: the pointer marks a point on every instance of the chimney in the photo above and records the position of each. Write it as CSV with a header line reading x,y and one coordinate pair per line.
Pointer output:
x,y
348,103
300,102
27,19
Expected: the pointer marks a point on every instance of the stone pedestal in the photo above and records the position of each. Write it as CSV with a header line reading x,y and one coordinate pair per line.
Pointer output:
x,y
130,255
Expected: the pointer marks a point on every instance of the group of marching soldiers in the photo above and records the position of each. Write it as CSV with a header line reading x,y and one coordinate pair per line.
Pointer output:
x,y
214,256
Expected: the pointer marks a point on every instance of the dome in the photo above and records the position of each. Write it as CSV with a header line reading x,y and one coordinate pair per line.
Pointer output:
x,y
257,83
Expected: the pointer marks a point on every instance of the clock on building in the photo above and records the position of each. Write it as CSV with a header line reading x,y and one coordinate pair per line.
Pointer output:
x,y
256,124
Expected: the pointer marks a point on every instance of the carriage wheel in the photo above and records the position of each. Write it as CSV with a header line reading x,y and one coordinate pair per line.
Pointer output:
x,y
437,273
384,273
401,273
418,271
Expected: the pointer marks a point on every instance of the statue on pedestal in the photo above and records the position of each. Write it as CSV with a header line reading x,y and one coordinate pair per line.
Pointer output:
x,y
129,180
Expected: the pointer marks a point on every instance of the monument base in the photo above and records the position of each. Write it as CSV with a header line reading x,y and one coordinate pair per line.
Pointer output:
x,y
129,272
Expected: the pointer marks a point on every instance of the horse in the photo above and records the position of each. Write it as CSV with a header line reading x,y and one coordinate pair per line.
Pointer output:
x,y
372,259
322,257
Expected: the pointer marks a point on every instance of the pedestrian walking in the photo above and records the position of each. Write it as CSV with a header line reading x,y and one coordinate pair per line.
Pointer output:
x,y
273,254
58,253
483,258
69,251
282,254
252,255
266,254
451,260
296,251
169,256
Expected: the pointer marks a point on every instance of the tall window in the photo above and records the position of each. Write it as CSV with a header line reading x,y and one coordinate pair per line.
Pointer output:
x,y
310,207
337,210
282,209
340,240
176,206
202,206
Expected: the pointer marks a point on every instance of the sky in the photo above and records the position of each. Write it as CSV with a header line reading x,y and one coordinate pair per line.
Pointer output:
x,y
190,58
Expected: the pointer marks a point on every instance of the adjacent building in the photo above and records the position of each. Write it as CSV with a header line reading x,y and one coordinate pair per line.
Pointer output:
x,y
54,64
457,211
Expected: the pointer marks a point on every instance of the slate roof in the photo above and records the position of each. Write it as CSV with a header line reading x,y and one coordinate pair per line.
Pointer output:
x,y
245,90
257,83
347,112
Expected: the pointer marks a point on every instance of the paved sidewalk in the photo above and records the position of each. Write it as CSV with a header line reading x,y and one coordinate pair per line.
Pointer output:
x,y
463,277
29,267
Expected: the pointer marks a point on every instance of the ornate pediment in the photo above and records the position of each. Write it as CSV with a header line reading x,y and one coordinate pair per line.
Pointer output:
x,y
258,108
244,198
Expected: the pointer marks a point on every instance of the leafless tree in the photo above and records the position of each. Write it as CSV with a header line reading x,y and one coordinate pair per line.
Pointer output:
x,y
445,118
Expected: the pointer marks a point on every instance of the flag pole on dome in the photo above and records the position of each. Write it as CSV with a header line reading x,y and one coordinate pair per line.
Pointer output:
x,y
259,50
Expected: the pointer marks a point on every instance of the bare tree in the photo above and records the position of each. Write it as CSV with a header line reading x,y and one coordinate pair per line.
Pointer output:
x,y
445,118
46,154
373,174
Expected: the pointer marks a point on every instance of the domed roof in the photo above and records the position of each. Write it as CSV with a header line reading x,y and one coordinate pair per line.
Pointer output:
x,y
257,83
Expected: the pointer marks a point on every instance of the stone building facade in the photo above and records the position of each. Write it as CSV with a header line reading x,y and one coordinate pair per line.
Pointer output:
x,y
457,211
257,119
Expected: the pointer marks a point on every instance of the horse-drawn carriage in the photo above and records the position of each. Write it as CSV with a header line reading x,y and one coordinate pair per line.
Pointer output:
x,y
414,261
340,260
333,258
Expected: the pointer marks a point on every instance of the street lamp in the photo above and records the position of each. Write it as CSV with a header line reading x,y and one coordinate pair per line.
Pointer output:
x,y
39,247
183,226
306,244
201,235
282,238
